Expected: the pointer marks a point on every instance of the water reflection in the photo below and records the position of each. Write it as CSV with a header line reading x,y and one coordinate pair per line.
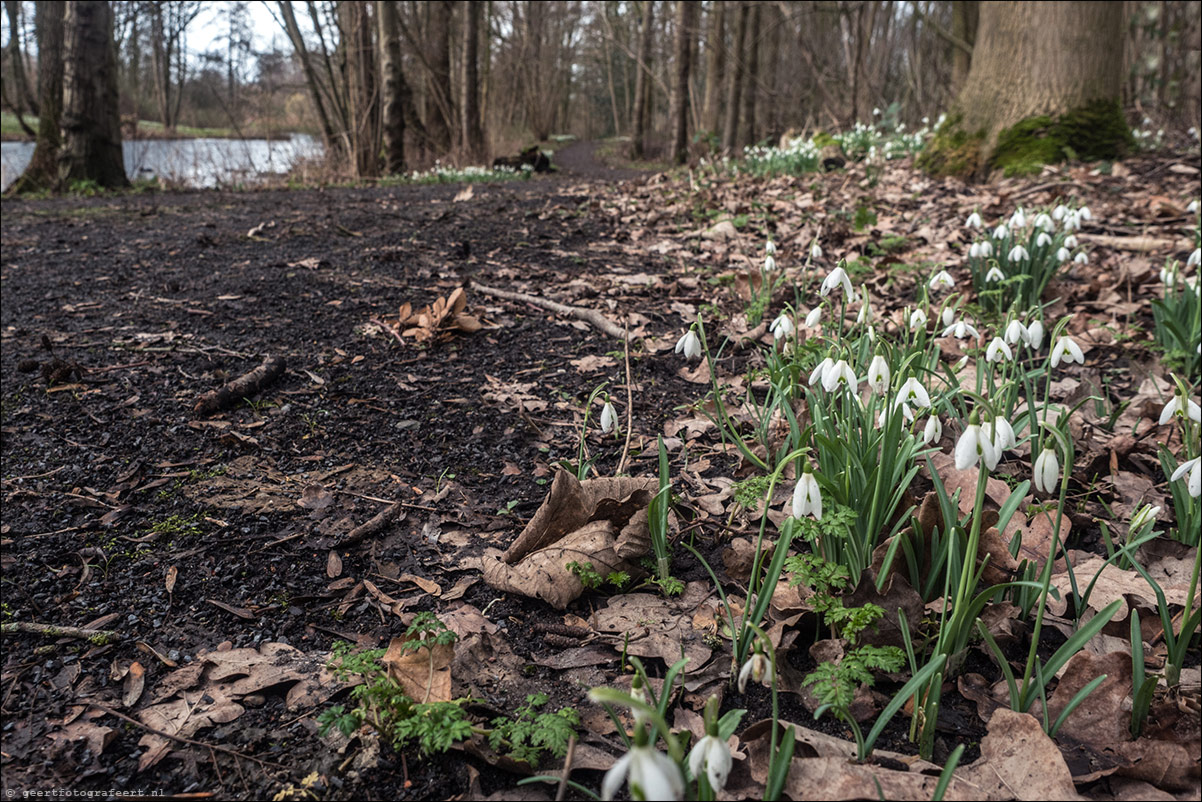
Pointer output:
x,y
201,163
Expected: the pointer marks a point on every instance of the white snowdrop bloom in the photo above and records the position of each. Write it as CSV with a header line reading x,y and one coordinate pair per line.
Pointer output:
x,y
933,431
1169,275
807,497
1043,240
918,319
878,374
960,330
1001,232
839,374
1193,207
876,112
1195,258
769,264
689,345
770,248
912,392
609,418
973,221
865,315
819,372
1194,468
758,667
813,317
651,773
1066,349
973,446
837,278
941,281
1084,214
907,414
998,350
1059,212
995,274
1045,222
1146,514
1047,471
1018,219
815,251
948,315
1081,259
1181,407
1018,254
1063,255
1035,335
711,755
1000,433
1072,222
1016,331
974,251
986,249
782,327
1070,241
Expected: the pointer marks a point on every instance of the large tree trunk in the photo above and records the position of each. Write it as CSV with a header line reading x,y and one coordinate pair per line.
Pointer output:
x,y
394,88
680,90
42,170
26,102
751,75
964,28
91,120
715,64
361,88
473,131
1044,86
160,60
642,84
439,114
735,82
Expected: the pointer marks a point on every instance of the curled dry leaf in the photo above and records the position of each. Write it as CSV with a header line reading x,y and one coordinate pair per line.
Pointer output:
x,y
602,521
424,672
1019,761
438,320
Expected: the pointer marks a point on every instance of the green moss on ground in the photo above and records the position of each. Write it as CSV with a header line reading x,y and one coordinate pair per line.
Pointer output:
x,y
953,151
1095,131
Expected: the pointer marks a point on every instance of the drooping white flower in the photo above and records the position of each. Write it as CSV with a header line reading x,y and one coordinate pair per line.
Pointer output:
x,y
878,374
807,498
1193,207
839,374
1018,219
865,315
1070,241
819,372
1018,254
609,418
933,431
782,327
651,773
1144,515
1085,214
769,263
999,433
1015,332
837,278
815,251
918,319
1180,407
712,756
972,446
1047,470
1072,222
995,274
689,345
1081,258
948,315
974,251
912,392
770,248
961,329
1035,335
1194,468
973,221
1169,275
1066,349
1044,222
1063,255
942,281
813,317
1001,232
1195,258
1059,212
757,667
1043,240
986,249
998,350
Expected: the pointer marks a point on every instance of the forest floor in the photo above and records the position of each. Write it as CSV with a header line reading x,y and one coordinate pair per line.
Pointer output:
x,y
220,548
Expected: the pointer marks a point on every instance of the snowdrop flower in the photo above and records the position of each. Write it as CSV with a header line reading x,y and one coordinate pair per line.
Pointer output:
x,y
1063,255
769,264
711,755
1081,259
974,251
973,221
758,668
1181,407
820,371
837,374
1146,514
1195,258
1072,222
1034,336
1070,241
986,249
1018,254
912,392
973,446
1194,468
782,327
689,345
907,413
1059,212
813,317
1018,219
1047,470
1169,274
1045,222
941,281
1016,331
1084,214
1000,434
770,248
948,315
997,350
815,251
651,773
878,374
609,418
1001,232
807,498
933,431
837,278
960,329
876,112
918,319
1193,207
995,274
1043,240
865,315
1067,349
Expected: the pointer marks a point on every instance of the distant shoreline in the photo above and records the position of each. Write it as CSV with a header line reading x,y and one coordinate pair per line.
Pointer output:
x,y
183,132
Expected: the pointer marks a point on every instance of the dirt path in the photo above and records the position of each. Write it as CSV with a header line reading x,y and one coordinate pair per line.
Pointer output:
x,y
579,160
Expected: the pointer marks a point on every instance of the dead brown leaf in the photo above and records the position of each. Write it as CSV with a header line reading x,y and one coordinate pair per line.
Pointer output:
x,y
424,672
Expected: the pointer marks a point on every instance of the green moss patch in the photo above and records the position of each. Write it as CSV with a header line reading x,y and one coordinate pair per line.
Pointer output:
x,y
1094,131
953,151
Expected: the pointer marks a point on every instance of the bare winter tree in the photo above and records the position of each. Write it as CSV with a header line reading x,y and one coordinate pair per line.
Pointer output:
x,y
394,90
91,119
679,117
42,171
470,125
640,114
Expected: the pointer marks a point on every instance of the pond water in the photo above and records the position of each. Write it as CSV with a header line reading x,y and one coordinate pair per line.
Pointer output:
x,y
200,163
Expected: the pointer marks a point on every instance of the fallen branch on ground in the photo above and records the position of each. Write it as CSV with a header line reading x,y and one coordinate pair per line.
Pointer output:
x,y
592,316
372,525
97,636
244,386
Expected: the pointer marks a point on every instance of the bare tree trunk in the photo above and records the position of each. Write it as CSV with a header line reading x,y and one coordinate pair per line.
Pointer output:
x,y
735,82
642,86
473,132
715,63
964,28
393,80
331,140
769,76
678,115
439,114
91,120
361,89
16,59
752,77
42,170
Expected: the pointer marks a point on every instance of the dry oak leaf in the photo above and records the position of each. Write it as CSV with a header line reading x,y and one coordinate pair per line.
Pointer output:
x,y
423,672
651,626
1112,583
602,521
1019,761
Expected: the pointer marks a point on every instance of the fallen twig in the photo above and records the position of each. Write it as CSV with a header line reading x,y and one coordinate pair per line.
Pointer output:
x,y
592,316
567,769
372,525
244,386
629,406
97,636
